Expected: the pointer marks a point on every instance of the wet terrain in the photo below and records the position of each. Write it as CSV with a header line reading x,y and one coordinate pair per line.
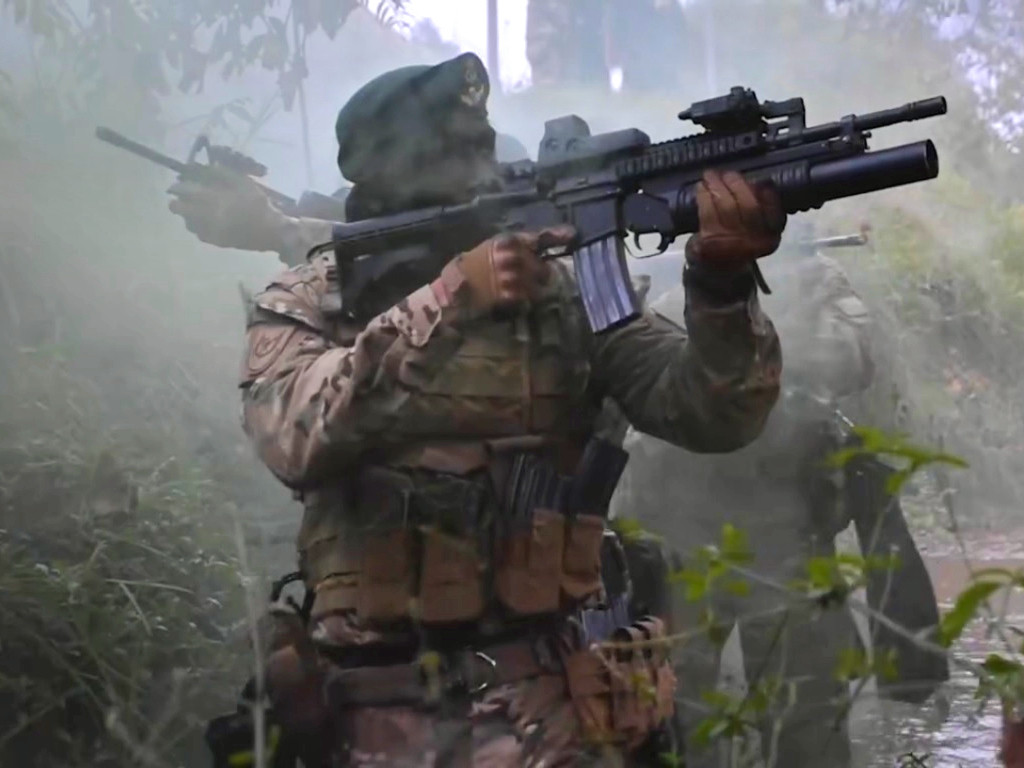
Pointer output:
x,y
889,734
948,731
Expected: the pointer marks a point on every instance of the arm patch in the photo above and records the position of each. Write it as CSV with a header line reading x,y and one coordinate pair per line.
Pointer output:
x,y
266,343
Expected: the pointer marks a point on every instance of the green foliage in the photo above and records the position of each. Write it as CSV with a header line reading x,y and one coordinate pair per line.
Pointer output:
x,y
830,580
1004,678
147,45
965,609
121,586
878,443
854,664
987,39
733,716
713,568
119,594
629,528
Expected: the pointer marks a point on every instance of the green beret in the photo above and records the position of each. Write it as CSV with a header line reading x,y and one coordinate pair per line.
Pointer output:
x,y
398,109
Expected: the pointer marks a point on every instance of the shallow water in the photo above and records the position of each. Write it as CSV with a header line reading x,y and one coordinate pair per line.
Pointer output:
x,y
948,731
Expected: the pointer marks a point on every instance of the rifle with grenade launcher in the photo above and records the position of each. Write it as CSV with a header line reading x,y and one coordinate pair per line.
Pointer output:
x,y
614,184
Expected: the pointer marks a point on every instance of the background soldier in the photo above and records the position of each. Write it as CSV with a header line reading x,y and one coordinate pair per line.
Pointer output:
x,y
226,209
442,627
776,492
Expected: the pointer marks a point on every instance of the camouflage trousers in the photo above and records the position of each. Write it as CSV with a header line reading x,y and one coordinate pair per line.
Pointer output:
x,y
531,723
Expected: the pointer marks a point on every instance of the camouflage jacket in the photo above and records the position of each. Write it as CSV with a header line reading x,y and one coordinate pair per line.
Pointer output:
x,y
426,395
319,397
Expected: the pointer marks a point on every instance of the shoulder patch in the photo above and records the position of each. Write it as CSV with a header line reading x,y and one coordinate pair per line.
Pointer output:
x,y
266,342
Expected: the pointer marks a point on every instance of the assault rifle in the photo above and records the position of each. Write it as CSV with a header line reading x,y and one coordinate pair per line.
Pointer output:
x,y
311,204
619,183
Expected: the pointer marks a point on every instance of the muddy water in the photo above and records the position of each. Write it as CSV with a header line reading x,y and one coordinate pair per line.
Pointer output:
x,y
949,732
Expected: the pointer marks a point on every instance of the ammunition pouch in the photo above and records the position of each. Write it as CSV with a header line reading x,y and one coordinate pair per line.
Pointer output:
x,y
436,547
419,555
549,548
528,566
623,691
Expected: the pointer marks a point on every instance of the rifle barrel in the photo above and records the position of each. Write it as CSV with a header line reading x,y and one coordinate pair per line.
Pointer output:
x,y
915,110
281,200
123,142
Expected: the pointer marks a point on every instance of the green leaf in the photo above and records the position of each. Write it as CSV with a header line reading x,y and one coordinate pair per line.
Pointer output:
x,y
735,548
709,729
965,609
852,664
737,587
629,528
821,572
1001,666
718,633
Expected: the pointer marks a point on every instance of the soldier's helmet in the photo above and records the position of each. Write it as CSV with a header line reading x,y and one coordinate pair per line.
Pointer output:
x,y
406,109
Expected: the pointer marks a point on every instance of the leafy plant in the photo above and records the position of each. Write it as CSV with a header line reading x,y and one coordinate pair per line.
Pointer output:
x,y
152,43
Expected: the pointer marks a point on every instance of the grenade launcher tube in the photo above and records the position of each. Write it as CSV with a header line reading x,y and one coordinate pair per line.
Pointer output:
x,y
804,185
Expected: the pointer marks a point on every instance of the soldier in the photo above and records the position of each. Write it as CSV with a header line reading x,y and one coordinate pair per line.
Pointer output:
x,y
228,211
443,629
776,492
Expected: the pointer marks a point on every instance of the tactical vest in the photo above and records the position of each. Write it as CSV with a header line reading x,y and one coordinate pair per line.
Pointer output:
x,y
424,529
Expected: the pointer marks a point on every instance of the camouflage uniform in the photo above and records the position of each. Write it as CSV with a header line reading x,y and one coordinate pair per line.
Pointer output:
x,y
439,632
774,491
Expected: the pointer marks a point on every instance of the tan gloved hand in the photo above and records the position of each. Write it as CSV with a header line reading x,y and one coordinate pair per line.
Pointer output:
x,y
739,222
227,209
506,269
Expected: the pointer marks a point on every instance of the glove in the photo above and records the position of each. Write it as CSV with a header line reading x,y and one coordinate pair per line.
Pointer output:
x,y
505,270
227,209
739,222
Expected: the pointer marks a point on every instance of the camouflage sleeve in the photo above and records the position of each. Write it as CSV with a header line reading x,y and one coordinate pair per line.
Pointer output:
x,y
310,405
708,388
836,353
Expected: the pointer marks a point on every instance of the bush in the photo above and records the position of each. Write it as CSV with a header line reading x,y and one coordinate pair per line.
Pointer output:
x,y
124,482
